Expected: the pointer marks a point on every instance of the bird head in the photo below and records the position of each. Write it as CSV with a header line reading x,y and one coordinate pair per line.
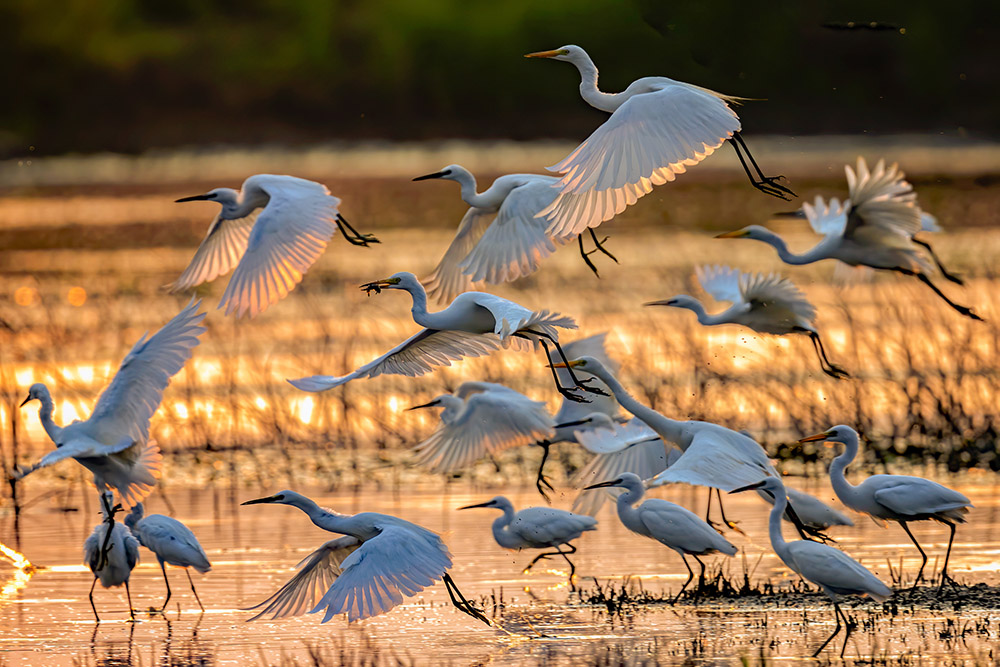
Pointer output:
x,y
755,232
679,301
436,403
134,515
584,363
281,498
450,173
35,393
569,53
498,502
625,480
403,280
221,195
842,434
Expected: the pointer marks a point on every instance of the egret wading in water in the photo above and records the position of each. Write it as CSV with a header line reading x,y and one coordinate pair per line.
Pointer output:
x,y
499,238
172,542
111,553
473,325
874,228
713,455
831,569
272,230
899,498
767,304
658,128
669,524
538,528
380,560
113,443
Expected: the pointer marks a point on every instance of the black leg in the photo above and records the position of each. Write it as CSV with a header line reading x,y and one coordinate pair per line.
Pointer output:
x,y
537,558
460,601
577,382
565,391
732,524
708,514
944,272
830,369
920,574
541,481
128,594
688,581
701,575
586,256
767,184
109,519
944,571
92,605
163,567
599,245
565,554
354,238
964,310
836,615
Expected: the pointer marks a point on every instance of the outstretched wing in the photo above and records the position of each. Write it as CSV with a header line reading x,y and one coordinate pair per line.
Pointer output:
x,y
396,563
489,423
318,571
827,219
290,234
219,252
884,202
417,355
448,280
722,282
776,294
647,141
78,447
125,407
646,459
717,460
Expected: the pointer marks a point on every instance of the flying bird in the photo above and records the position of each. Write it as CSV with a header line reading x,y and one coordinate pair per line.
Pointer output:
x,y
272,230
499,238
113,443
658,128
899,498
875,227
111,552
767,304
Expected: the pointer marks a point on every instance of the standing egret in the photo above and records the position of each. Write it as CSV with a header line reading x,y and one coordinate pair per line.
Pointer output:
x,y
499,238
111,553
272,231
669,524
874,228
658,127
113,443
714,456
538,528
767,304
380,560
829,568
473,325
172,542
899,498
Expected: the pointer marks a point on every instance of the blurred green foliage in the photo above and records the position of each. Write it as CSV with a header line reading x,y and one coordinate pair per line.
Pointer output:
x,y
84,75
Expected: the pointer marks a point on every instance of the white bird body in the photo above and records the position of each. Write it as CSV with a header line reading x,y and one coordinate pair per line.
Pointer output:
x,y
768,304
272,231
111,557
380,560
499,238
113,442
473,325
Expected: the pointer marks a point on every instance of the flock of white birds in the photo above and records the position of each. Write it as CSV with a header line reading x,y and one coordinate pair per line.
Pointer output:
x,y
271,231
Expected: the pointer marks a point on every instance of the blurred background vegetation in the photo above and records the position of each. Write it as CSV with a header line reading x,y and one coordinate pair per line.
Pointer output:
x,y
131,75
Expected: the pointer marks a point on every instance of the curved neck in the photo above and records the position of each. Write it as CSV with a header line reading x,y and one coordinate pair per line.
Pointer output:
x,y
787,256
467,182
500,534
45,416
704,318
452,407
627,514
249,200
589,91
666,428
844,489
335,523
419,309
774,528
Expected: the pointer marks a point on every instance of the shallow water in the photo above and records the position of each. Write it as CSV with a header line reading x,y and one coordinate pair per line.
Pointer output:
x,y
253,550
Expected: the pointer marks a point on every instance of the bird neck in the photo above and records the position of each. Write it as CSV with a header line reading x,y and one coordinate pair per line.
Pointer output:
x,y
844,489
589,91
452,407
628,514
134,516
331,521
505,538
704,318
249,200
666,428
774,527
467,182
787,256
419,309
53,430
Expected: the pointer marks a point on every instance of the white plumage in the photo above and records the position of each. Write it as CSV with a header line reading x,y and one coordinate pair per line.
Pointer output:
x,y
113,443
272,230
111,558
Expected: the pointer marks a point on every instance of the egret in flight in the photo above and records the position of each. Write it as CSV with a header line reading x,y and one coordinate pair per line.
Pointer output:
x,y
499,238
272,231
713,455
111,553
831,569
658,128
380,560
473,325
172,542
538,528
669,524
768,304
874,228
113,443
899,498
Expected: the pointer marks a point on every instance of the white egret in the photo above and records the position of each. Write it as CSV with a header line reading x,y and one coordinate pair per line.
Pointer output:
x,y
381,560
172,542
538,528
669,524
831,569
658,127
899,498
113,443
768,304
499,238
874,228
713,455
111,553
473,325
272,231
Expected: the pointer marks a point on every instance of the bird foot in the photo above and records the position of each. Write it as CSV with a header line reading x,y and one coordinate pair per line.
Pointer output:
x,y
732,526
836,372
582,384
544,482
714,526
769,185
968,312
364,240
599,245
946,579
569,395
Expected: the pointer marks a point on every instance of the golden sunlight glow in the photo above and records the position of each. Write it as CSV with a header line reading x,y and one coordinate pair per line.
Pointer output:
x,y
303,409
67,412
26,296
260,402
22,573
77,296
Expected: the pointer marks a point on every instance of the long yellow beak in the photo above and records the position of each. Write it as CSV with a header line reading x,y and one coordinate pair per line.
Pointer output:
x,y
815,438
738,234
546,54
377,285
572,364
